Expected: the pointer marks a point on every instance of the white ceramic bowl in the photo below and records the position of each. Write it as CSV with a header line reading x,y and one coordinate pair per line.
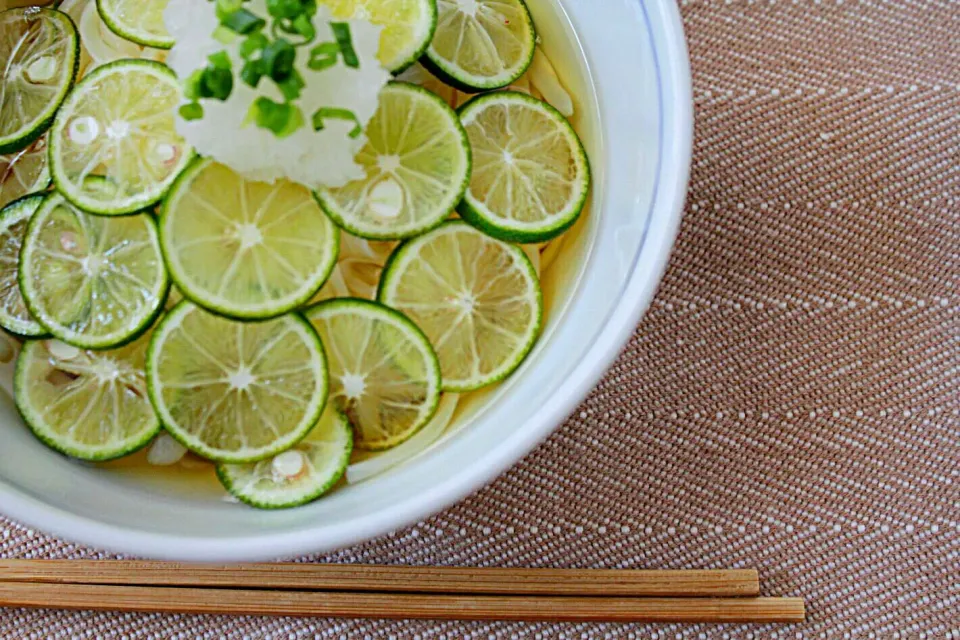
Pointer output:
x,y
627,62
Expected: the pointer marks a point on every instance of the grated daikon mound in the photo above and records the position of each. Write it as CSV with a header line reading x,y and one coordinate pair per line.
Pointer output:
x,y
308,157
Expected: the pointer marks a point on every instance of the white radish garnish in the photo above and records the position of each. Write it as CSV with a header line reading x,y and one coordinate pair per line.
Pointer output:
x,y
316,156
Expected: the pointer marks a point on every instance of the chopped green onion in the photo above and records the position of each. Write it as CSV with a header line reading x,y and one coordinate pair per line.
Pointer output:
x,y
220,60
243,22
323,56
341,31
252,72
224,36
303,26
217,83
226,7
192,87
252,45
191,111
281,9
278,58
274,54
292,86
335,113
281,119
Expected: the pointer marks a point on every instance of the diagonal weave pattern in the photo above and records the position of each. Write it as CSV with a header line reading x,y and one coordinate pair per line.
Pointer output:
x,y
790,401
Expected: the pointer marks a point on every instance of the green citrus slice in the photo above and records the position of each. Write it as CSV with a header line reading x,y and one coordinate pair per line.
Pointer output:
x,y
139,21
245,249
481,44
39,53
298,475
384,374
232,391
118,123
91,405
476,298
14,315
408,26
92,281
530,173
417,166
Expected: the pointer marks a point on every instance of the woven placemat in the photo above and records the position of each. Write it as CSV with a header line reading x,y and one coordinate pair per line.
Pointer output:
x,y
790,402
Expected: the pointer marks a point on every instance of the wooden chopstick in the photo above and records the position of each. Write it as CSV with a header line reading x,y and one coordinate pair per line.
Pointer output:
x,y
397,592
398,605
396,579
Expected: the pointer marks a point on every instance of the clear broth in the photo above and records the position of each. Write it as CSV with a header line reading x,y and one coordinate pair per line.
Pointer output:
x,y
196,478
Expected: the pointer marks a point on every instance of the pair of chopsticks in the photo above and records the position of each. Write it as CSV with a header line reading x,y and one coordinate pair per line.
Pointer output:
x,y
396,592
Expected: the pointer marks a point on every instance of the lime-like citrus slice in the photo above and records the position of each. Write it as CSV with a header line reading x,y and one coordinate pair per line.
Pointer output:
x,y
98,44
408,26
245,249
417,165
481,44
477,299
14,315
384,375
39,53
139,21
298,475
91,405
92,281
23,172
530,173
232,391
118,123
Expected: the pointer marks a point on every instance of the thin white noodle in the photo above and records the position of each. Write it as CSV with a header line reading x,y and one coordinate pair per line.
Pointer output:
x,y
337,283
416,445
550,252
74,9
9,350
463,98
367,250
533,252
522,84
97,47
544,77
361,277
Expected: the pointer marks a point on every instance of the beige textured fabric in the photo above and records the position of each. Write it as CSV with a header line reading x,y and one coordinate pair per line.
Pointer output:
x,y
790,401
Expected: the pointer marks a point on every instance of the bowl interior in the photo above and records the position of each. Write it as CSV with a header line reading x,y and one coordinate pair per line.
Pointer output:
x,y
625,64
